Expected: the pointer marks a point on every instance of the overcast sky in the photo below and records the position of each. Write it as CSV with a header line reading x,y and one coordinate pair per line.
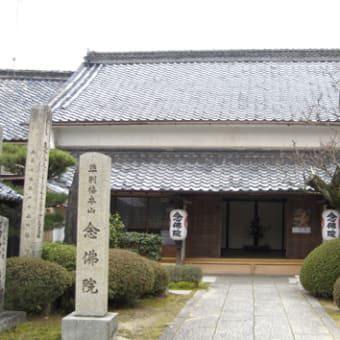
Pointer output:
x,y
55,34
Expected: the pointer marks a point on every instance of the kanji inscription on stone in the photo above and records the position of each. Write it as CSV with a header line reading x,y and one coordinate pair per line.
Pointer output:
x,y
3,257
33,209
93,234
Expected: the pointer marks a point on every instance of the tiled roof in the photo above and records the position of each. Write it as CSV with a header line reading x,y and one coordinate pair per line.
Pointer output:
x,y
203,171
19,90
203,86
8,194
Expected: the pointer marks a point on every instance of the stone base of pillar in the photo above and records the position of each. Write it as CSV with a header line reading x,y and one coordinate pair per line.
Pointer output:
x,y
75,327
10,319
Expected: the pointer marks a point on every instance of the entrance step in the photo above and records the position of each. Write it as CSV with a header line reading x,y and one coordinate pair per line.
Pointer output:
x,y
244,266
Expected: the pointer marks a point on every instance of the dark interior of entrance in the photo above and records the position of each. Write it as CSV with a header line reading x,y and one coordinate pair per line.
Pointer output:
x,y
254,228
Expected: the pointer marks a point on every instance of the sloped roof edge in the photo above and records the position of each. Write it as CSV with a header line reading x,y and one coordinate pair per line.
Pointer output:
x,y
245,55
8,194
34,74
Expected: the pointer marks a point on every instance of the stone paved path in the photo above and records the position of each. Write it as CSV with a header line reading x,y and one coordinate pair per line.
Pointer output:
x,y
252,307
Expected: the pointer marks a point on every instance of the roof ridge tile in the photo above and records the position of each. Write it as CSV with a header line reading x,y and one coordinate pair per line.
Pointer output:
x,y
200,56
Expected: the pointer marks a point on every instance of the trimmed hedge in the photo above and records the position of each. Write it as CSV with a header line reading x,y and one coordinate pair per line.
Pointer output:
x,y
61,253
148,245
34,284
336,292
66,303
130,276
185,272
321,268
161,278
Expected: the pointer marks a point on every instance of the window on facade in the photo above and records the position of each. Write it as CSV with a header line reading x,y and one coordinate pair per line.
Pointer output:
x,y
143,214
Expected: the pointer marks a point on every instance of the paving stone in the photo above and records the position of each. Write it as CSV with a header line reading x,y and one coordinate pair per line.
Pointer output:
x,y
313,337
277,310
272,328
309,326
269,309
208,279
234,329
238,308
236,315
186,333
202,322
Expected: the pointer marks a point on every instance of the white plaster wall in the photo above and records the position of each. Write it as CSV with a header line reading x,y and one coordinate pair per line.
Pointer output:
x,y
192,136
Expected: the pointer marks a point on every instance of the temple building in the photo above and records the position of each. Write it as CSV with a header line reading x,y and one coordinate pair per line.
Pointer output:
x,y
211,132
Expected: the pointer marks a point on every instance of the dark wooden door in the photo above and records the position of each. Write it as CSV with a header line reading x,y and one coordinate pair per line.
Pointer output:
x,y
204,232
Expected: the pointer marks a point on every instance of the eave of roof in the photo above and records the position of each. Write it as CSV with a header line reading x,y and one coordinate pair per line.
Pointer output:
x,y
195,122
8,194
203,171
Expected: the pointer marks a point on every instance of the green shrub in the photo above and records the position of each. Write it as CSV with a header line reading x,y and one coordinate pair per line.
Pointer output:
x,y
336,292
33,284
61,253
185,273
130,276
148,245
161,279
321,268
116,229
66,303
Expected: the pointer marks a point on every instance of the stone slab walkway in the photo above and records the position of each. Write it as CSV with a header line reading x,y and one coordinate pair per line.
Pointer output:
x,y
254,308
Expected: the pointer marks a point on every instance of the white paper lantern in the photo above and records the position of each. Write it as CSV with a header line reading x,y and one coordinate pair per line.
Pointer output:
x,y
178,224
330,224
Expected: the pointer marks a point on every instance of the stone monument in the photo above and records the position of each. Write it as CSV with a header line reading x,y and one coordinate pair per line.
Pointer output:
x,y
33,209
1,136
91,319
8,319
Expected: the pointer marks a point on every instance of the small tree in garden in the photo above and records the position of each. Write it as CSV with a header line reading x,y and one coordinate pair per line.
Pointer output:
x,y
13,159
322,171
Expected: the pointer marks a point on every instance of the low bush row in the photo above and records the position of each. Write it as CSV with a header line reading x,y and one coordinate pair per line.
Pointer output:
x,y
37,285
188,273
148,245
34,284
145,244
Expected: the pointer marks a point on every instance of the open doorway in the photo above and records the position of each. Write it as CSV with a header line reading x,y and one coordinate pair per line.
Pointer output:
x,y
254,228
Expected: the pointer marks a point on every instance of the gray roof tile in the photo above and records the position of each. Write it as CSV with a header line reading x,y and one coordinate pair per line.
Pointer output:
x,y
8,194
19,90
203,171
203,86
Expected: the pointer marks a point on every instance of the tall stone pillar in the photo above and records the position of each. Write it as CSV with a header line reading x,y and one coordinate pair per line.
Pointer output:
x,y
33,210
3,258
8,319
91,319
1,137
